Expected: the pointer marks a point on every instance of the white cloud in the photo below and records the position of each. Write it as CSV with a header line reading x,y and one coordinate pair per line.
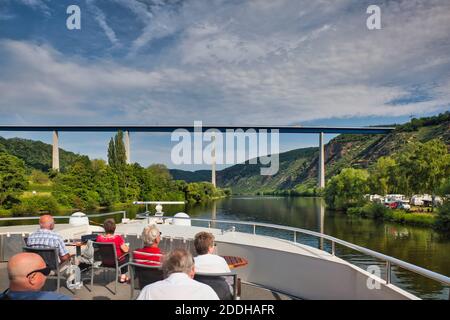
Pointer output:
x,y
255,62
101,20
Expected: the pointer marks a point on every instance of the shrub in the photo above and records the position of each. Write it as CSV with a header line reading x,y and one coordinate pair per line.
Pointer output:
x,y
375,210
39,177
420,219
443,217
355,211
35,205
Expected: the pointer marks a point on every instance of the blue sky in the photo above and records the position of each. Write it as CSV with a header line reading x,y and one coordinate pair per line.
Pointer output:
x,y
222,62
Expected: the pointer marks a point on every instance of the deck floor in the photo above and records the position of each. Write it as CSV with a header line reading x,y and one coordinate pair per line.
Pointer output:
x,y
104,287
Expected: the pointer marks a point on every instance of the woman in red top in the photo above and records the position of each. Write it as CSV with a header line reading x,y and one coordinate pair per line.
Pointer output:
x,y
150,254
121,248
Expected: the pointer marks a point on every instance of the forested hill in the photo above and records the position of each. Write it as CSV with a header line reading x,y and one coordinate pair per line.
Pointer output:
x,y
298,168
36,154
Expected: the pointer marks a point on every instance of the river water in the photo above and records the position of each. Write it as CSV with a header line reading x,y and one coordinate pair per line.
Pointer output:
x,y
423,247
420,246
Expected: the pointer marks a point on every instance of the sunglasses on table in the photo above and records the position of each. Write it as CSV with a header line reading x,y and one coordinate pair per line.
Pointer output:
x,y
45,271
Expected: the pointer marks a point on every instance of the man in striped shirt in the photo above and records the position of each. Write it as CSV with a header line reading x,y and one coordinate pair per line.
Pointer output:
x,y
45,237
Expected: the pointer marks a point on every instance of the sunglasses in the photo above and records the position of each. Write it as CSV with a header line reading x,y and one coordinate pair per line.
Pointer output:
x,y
45,271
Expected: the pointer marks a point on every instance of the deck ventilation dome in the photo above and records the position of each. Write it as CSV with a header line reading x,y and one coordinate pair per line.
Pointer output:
x,y
181,222
79,219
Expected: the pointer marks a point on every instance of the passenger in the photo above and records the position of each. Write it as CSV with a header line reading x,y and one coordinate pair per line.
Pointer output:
x,y
179,271
152,254
27,273
207,261
45,237
121,248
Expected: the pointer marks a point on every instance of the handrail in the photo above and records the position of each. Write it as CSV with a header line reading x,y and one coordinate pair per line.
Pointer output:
x,y
388,259
66,217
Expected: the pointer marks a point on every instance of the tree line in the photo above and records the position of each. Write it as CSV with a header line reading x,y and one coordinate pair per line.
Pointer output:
x,y
418,169
88,184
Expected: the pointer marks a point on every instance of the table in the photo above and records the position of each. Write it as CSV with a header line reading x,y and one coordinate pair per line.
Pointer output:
x,y
235,262
77,245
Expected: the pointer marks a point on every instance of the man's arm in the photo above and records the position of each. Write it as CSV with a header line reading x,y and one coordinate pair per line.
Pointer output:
x,y
63,252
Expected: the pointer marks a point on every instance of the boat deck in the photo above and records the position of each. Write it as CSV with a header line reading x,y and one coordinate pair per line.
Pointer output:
x,y
104,287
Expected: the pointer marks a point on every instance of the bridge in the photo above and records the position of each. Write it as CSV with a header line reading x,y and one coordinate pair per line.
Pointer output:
x,y
320,130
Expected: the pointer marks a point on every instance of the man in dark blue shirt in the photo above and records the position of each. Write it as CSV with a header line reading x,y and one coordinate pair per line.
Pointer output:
x,y
27,273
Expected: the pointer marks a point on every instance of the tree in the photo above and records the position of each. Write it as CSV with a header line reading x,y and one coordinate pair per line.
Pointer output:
x,y
422,167
347,189
12,178
443,217
384,176
117,157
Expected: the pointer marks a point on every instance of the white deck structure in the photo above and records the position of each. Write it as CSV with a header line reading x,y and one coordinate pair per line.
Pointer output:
x,y
279,265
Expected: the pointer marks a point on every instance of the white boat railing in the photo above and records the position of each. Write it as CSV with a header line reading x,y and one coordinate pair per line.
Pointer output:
x,y
389,261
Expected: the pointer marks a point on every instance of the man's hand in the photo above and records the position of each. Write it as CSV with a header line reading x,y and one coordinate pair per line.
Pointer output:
x,y
65,258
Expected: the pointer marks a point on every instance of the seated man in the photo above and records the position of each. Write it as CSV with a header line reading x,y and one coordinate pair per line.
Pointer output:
x,y
45,237
150,254
178,268
207,261
27,273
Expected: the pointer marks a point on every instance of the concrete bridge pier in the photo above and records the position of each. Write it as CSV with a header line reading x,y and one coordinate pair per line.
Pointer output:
x,y
213,160
321,169
55,151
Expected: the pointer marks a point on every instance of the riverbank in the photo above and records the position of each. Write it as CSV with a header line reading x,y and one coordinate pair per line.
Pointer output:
x,y
380,212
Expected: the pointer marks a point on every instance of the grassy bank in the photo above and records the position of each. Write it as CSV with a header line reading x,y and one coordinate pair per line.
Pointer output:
x,y
380,212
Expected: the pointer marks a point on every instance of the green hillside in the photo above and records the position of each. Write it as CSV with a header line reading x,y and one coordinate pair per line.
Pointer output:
x,y
191,176
299,167
36,154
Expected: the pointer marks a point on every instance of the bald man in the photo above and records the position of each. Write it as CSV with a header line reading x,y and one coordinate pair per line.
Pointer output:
x,y
27,273
45,237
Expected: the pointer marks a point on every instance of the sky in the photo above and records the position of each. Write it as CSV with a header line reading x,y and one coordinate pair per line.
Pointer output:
x,y
280,62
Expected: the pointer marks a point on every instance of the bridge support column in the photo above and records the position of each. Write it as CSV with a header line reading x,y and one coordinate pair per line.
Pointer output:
x,y
213,160
321,169
127,146
55,151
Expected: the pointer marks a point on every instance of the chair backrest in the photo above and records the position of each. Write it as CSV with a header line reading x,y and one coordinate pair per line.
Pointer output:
x,y
218,283
87,237
106,253
179,243
191,247
144,274
166,244
50,255
134,240
11,244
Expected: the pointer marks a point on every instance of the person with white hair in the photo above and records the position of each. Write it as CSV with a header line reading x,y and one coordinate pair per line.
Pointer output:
x,y
178,268
150,254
